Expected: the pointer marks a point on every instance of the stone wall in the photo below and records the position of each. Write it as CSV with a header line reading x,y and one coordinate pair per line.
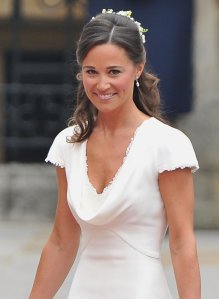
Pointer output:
x,y
203,123
27,192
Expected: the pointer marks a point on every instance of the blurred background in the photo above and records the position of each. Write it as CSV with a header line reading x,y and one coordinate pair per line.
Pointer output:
x,y
37,96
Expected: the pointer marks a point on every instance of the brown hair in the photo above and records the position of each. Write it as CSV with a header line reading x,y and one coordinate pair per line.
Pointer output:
x,y
123,32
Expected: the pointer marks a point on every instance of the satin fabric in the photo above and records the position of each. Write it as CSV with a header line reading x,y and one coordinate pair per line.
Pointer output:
x,y
123,228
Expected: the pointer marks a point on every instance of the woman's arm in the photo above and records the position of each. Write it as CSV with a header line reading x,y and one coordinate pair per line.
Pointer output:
x,y
61,248
177,192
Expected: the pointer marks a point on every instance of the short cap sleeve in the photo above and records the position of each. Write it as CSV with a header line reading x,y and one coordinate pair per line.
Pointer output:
x,y
176,151
56,154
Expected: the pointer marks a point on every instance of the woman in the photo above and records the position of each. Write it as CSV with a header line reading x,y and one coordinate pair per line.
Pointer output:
x,y
123,177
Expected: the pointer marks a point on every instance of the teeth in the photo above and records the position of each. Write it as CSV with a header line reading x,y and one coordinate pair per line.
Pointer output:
x,y
105,96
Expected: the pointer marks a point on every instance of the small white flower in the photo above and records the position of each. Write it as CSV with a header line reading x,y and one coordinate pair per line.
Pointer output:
x,y
122,13
107,11
137,23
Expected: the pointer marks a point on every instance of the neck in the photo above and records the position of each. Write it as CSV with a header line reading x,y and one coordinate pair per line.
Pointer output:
x,y
112,122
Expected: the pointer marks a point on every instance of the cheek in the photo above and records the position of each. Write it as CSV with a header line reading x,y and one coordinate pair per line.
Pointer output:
x,y
125,83
87,84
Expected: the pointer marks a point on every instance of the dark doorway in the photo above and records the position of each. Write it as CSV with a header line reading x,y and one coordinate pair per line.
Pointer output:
x,y
38,106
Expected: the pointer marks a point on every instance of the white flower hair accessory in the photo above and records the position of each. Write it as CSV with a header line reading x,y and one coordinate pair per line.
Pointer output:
x,y
128,13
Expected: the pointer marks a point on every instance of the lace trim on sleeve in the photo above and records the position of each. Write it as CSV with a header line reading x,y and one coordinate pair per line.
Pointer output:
x,y
194,167
53,160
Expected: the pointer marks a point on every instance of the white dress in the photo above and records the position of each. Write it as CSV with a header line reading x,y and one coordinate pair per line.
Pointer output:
x,y
123,228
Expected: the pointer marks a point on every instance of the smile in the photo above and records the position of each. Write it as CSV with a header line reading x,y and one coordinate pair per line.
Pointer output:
x,y
105,96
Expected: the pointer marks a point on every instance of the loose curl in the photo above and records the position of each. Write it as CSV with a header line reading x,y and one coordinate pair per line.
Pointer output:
x,y
123,32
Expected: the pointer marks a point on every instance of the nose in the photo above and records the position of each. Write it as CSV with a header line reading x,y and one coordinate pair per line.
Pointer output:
x,y
103,83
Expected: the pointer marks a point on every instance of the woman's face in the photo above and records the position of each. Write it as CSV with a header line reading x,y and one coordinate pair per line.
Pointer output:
x,y
108,77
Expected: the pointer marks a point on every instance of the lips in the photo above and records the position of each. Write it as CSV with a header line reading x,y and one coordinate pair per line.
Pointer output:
x,y
105,97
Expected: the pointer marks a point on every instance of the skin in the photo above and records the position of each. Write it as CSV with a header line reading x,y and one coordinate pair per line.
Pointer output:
x,y
177,191
108,77
114,76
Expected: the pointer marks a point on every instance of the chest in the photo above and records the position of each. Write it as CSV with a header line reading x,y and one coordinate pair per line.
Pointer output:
x,y
104,159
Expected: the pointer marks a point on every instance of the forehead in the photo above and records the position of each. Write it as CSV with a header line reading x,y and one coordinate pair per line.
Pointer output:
x,y
107,54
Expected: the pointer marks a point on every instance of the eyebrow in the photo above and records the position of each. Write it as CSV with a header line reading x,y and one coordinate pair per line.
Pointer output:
x,y
88,67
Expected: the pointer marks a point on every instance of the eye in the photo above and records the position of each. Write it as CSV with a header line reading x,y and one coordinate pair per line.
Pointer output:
x,y
91,72
114,72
